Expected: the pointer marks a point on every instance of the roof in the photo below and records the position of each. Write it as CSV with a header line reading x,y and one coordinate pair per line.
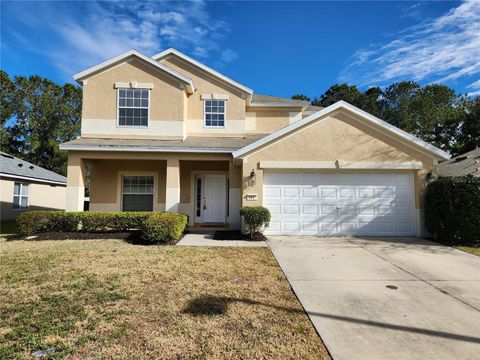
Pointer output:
x,y
410,139
268,100
461,165
13,167
190,144
314,108
207,69
134,53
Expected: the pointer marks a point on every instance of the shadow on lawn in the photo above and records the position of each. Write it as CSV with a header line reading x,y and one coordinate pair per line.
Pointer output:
x,y
209,305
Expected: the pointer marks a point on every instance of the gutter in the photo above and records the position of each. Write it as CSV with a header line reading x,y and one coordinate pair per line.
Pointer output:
x,y
33,179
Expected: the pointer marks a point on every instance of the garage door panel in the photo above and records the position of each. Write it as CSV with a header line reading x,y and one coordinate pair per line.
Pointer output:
x,y
345,204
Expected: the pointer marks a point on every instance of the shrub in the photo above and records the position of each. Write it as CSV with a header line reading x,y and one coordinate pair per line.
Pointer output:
x,y
155,227
164,227
452,210
256,218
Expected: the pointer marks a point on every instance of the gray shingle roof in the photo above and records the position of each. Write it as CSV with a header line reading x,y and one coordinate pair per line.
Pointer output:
x,y
13,166
191,143
273,100
465,164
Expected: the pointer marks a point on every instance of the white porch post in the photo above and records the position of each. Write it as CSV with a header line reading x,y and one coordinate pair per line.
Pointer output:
x,y
75,183
234,195
172,196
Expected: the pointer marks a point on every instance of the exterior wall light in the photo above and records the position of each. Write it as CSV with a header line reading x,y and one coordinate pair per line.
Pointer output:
x,y
253,178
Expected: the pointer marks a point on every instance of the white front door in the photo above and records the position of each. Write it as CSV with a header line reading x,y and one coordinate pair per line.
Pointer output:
x,y
214,199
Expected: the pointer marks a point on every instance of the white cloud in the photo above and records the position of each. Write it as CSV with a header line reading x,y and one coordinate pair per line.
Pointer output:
x,y
228,55
438,50
78,35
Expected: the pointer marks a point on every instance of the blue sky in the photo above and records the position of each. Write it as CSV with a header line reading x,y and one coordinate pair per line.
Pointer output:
x,y
276,48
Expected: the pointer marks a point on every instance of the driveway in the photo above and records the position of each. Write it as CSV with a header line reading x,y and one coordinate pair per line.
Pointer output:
x,y
379,298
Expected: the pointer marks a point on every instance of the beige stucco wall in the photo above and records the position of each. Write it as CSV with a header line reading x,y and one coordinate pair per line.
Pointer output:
x,y
167,105
340,136
268,120
105,180
205,84
41,197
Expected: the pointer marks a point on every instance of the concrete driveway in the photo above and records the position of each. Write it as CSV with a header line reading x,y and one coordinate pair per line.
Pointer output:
x,y
383,298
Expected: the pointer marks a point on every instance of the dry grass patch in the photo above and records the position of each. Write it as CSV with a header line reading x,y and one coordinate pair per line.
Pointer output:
x,y
111,299
475,250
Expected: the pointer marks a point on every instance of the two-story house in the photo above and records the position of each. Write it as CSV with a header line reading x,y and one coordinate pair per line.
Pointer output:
x,y
167,133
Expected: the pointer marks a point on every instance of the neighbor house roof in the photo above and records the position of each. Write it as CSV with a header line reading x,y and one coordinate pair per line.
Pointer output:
x,y
410,139
268,100
461,165
15,168
169,52
190,144
137,54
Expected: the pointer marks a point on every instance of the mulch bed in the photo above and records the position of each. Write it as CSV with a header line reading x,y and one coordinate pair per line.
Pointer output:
x,y
237,235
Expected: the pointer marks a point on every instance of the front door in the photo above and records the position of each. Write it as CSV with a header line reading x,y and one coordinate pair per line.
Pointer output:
x,y
214,201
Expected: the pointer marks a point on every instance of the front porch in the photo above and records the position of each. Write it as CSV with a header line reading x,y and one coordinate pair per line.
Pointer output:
x,y
206,187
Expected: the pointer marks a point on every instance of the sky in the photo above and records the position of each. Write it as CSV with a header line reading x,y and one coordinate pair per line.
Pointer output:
x,y
275,48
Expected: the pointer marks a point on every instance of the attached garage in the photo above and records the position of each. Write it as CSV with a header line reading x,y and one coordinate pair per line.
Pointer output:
x,y
340,171
376,204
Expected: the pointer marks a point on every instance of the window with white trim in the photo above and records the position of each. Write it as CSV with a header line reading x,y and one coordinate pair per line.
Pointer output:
x,y
137,193
133,107
215,113
20,195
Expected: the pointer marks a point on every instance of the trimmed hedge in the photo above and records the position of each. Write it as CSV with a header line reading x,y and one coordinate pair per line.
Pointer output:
x,y
163,227
256,218
168,226
452,210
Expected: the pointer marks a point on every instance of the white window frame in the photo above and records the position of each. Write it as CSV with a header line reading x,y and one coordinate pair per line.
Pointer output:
x,y
148,109
20,196
121,174
205,114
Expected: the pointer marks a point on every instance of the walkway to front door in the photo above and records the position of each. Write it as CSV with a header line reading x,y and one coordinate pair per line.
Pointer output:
x,y
386,298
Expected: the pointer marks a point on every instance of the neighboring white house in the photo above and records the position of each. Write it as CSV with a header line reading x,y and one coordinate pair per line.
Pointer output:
x,y
25,186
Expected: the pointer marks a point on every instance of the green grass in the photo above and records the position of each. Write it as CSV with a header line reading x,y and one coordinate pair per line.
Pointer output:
x,y
110,299
470,249
7,228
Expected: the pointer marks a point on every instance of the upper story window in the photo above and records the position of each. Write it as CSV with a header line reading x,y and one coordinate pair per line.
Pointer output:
x,y
20,196
215,113
133,107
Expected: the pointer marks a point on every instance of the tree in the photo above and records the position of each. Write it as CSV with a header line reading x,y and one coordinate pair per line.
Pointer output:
x,y
470,128
301,97
348,93
38,115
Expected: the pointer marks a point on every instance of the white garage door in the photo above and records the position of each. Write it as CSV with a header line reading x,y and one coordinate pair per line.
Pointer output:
x,y
377,204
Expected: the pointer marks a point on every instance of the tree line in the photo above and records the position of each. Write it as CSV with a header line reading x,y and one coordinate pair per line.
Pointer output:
x,y
38,114
434,113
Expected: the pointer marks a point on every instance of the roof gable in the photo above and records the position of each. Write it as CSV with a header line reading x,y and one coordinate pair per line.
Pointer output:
x,y
173,52
83,75
409,139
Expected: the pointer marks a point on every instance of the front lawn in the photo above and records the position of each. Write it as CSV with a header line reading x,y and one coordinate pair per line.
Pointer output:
x,y
470,249
112,299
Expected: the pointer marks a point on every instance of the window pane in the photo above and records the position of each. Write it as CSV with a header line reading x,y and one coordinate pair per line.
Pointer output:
x,y
24,189
23,202
121,93
16,202
16,189
144,103
143,202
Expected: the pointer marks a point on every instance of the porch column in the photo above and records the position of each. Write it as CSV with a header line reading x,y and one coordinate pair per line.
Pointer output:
x,y
75,183
172,196
234,195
